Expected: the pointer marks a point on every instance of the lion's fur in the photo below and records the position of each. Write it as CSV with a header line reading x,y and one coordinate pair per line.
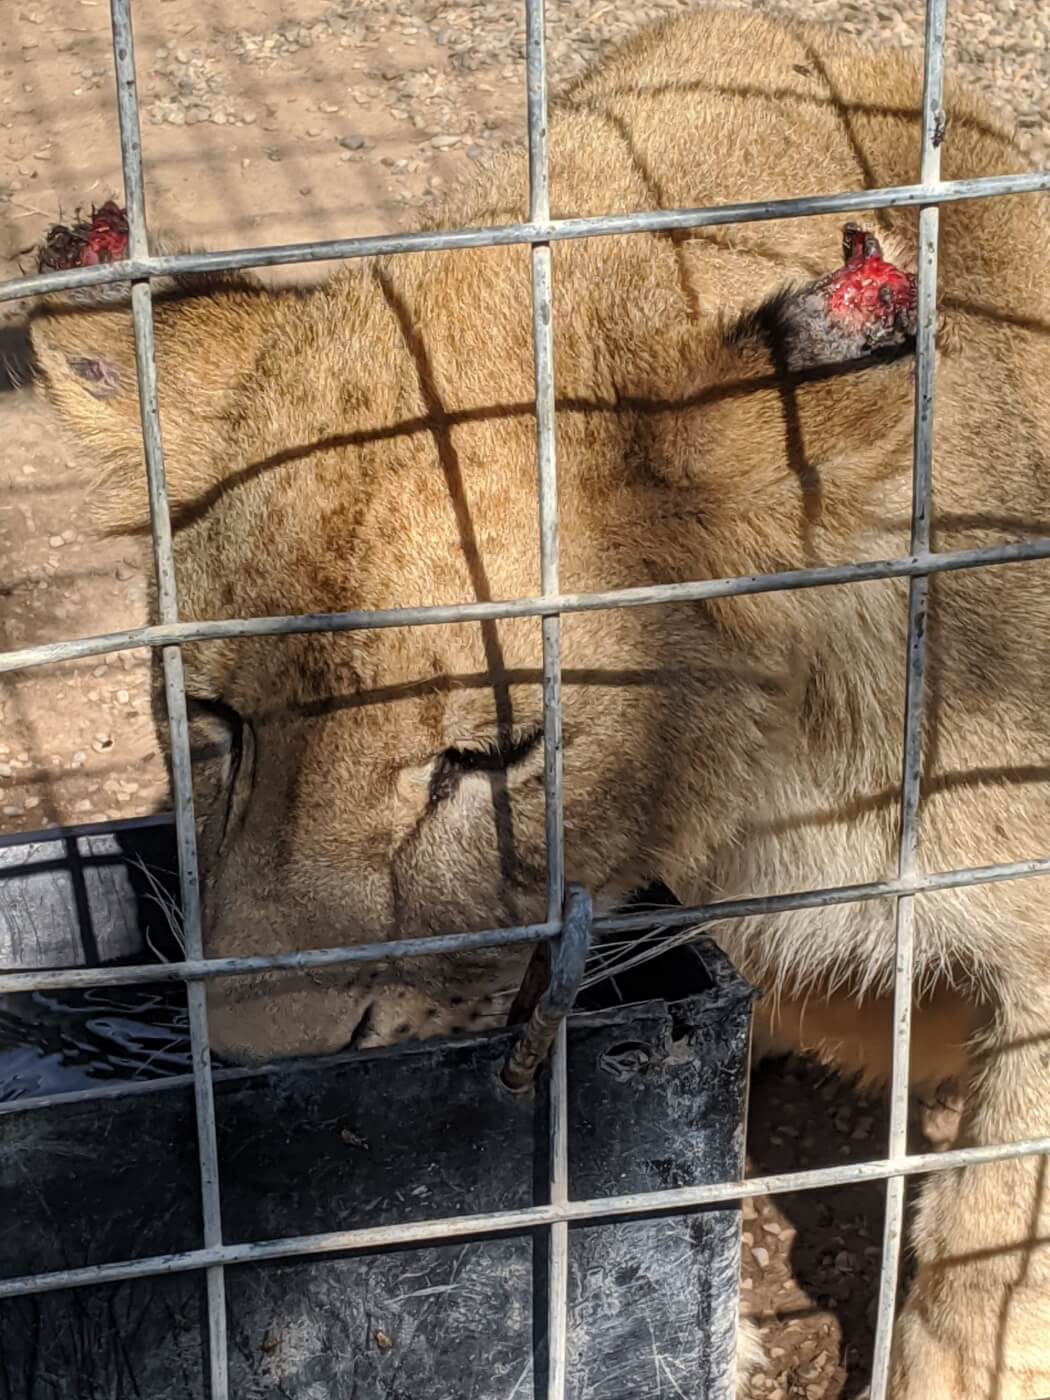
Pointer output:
x,y
371,444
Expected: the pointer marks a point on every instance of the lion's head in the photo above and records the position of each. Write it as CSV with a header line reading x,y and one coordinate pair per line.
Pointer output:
x,y
724,408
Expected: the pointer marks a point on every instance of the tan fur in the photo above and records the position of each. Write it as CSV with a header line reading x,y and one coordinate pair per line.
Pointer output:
x,y
371,445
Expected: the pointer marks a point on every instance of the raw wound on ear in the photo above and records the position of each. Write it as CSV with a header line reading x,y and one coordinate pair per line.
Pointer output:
x,y
867,293
103,238
865,307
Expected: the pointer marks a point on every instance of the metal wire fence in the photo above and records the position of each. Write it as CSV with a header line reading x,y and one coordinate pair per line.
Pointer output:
x,y
539,232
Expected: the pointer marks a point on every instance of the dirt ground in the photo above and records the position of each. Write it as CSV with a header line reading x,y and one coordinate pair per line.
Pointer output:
x,y
345,119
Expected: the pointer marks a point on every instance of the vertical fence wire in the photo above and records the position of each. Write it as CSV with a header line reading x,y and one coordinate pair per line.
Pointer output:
x,y
918,602
174,687
543,351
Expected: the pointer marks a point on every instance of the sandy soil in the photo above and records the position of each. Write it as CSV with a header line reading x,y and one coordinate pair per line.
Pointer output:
x,y
342,120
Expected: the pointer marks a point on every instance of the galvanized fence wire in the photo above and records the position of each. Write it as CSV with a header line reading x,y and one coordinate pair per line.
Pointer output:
x,y
174,687
554,817
139,268
915,678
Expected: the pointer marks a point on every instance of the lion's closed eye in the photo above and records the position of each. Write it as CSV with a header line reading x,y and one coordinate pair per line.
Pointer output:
x,y
491,756
223,752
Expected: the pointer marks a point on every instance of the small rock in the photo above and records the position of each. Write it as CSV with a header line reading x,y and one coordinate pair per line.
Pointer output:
x,y
475,152
353,143
443,143
329,107
56,541
122,697
79,759
6,771
181,56
760,1256
124,572
274,154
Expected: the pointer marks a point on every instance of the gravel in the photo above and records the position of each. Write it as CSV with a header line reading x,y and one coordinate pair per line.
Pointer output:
x,y
1002,50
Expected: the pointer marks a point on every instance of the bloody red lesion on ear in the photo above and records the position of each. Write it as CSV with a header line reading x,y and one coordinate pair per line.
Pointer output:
x,y
868,294
102,238
862,312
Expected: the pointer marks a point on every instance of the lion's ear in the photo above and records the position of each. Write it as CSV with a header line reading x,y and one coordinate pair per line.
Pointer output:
x,y
85,360
207,332
805,401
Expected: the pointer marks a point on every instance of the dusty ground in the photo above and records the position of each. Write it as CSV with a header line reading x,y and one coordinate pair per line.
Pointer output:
x,y
343,120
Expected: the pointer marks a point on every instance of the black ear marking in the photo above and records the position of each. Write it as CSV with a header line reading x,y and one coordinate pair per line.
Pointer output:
x,y
101,378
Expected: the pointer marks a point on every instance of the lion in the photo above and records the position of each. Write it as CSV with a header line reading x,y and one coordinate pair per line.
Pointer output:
x,y
731,401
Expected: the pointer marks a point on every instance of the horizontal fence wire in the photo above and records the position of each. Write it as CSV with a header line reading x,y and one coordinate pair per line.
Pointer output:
x,y
504,235
691,919
538,233
655,595
666,1201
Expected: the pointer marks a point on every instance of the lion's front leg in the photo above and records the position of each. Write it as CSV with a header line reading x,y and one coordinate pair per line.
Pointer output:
x,y
976,1324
